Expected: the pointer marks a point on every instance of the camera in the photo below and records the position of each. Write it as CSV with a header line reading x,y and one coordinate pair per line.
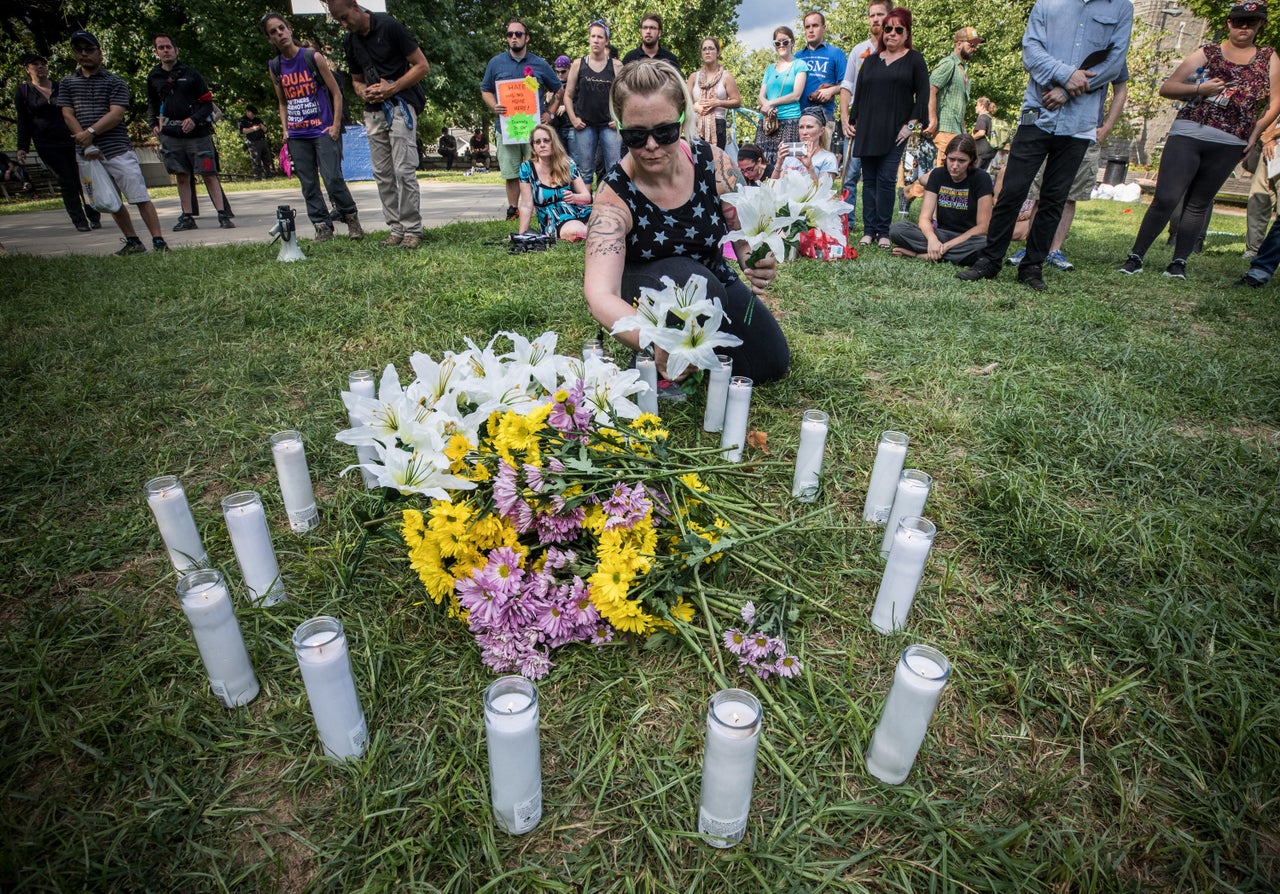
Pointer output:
x,y
525,242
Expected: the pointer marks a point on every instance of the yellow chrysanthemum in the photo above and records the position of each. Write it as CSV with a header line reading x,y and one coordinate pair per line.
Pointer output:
x,y
693,482
457,449
516,436
594,518
682,611
449,523
412,527
432,569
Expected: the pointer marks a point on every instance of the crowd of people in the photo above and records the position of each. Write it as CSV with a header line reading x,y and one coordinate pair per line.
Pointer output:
x,y
991,183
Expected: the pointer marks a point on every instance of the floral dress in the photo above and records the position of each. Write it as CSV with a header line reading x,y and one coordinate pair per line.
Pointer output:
x,y
548,201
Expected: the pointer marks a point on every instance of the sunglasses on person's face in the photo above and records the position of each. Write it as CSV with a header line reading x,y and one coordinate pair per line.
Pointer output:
x,y
895,29
638,137
515,34
781,43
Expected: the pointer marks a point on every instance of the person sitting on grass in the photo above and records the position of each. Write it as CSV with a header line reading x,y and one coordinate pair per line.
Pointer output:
x,y
661,213
752,164
955,213
552,186
816,158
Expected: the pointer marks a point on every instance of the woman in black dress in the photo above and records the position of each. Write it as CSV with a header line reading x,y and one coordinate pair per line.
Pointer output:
x,y
892,96
659,213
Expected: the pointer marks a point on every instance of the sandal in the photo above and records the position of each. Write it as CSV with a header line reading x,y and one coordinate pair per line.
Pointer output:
x,y
865,240
885,243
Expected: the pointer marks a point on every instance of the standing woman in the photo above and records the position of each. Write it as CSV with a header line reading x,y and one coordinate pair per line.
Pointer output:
x,y
586,99
1222,85
982,131
40,122
780,93
661,213
892,96
713,90
552,188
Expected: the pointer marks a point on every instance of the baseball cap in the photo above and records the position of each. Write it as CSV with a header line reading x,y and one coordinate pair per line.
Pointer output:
x,y
969,34
84,37
1250,9
29,58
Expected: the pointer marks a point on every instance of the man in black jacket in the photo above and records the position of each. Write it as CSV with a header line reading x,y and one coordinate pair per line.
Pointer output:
x,y
180,109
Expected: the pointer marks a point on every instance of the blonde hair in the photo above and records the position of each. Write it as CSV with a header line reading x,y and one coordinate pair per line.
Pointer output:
x,y
561,173
824,136
647,77
986,105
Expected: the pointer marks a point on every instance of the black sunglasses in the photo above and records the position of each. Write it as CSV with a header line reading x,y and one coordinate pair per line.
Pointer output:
x,y
895,29
638,137
515,34
781,43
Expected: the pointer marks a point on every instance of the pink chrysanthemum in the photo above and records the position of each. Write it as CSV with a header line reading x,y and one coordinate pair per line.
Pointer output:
x,y
748,613
602,634
735,641
788,666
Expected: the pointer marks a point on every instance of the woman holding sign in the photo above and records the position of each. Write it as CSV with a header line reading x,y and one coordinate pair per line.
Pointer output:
x,y
586,98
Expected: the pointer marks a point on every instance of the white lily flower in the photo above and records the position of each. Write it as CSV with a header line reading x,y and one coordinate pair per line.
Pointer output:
x,y
696,344
534,359
760,220
414,472
608,391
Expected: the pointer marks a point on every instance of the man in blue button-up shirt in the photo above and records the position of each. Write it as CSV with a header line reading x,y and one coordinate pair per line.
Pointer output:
x,y
1072,50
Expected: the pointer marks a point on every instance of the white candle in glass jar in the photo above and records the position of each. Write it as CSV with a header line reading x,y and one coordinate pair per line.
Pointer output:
x,y
295,480
813,439
207,605
168,503
911,543
737,407
648,368
728,766
717,394
592,348
321,647
891,456
918,681
515,760
361,383
909,499
251,540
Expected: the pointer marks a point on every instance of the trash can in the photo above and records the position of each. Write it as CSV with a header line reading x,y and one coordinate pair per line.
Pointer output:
x,y
1116,171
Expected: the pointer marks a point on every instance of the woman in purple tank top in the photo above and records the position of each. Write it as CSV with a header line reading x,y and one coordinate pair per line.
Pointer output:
x,y
311,110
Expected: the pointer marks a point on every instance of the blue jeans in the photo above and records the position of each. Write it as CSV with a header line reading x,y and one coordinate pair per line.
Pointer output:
x,y
851,175
313,158
879,177
1268,259
588,139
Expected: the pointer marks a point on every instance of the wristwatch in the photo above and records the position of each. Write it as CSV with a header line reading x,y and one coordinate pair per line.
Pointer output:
x,y
92,131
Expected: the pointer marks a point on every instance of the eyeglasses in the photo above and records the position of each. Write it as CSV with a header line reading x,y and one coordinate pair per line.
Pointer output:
x,y
638,137
515,34
781,43
895,29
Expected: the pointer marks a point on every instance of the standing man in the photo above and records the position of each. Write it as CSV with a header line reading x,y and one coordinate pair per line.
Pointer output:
x,y
949,91
387,67
651,42
516,63
1072,51
94,103
1262,194
180,110
256,143
826,67
876,11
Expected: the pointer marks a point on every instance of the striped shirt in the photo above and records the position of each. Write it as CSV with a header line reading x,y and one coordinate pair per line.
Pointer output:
x,y
90,98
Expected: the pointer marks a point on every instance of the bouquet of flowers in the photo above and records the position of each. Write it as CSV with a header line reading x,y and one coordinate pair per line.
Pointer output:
x,y
773,215
557,513
695,340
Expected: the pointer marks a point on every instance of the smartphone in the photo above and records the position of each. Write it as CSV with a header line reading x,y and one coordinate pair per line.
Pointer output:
x,y
797,149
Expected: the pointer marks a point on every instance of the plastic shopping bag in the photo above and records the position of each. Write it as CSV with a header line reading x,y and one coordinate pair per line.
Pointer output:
x,y
99,188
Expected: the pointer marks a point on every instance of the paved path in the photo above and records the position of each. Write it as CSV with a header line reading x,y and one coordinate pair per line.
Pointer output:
x,y
50,233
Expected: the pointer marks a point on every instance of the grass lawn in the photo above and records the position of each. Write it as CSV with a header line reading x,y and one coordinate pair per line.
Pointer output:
x,y
1106,582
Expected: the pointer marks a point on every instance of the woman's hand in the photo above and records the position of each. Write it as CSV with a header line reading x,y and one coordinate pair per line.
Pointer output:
x,y
762,273
765,105
1212,87
903,133
660,358
578,123
574,198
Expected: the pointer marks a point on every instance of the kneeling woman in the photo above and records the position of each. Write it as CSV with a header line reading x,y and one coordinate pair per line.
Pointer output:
x,y
956,211
660,213
551,185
